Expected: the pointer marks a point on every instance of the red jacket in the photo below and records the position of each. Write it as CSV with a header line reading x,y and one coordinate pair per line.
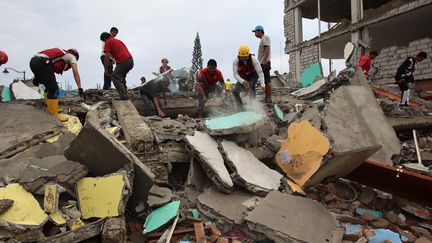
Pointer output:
x,y
245,71
117,49
206,79
55,55
365,63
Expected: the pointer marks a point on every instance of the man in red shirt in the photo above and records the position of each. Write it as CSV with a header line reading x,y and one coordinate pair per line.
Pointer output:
x,y
124,62
365,63
208,79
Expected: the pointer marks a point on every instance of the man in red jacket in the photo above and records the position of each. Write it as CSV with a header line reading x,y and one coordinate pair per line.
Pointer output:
x,y
208,79
124,62
365,63
45,64
3,58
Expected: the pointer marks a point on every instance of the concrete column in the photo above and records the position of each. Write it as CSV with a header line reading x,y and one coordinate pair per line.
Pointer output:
x,y
356,11
298,26
297,66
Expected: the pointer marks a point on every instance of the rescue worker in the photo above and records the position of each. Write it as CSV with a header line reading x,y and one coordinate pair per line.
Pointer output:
x,y
164,68
247,71
107,75
365,63
45,64
208,79
3,58
404,75
150,93
124,62
264,55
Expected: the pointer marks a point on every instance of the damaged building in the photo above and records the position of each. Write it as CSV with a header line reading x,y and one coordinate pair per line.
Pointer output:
x,y
395,28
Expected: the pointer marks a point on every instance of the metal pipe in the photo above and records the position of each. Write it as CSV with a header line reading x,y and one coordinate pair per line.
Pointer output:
x,y
417,147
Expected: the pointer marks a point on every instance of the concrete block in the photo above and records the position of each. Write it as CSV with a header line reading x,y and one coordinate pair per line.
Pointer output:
x,y
222,207
286,218
103,197
355,121
25,210
114,230
246,167
23,92
137,132
206,148
103,154
22,126
159,196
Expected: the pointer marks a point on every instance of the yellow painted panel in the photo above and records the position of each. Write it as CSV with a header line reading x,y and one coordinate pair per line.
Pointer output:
x,y
73,125
295,187
25,210
112,130
100,197
51,198
76,224
301,153
57,218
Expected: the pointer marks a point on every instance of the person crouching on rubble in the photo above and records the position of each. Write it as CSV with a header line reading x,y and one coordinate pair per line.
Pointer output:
x,y
365,63
404,75
247,70
208,79
150,93
3,58
45,64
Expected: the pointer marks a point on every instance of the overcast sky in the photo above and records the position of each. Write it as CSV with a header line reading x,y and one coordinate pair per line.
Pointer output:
x,y
151,29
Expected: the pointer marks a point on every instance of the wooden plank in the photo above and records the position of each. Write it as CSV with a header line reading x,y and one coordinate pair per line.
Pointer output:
x,y
199,232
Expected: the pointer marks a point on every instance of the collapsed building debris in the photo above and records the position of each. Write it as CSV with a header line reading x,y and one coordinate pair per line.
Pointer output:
x,y
242,122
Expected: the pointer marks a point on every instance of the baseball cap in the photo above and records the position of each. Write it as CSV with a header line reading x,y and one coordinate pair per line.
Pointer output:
x,y
258,27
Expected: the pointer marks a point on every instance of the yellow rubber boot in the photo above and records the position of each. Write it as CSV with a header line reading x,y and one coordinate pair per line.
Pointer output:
x,y
46,97
52,105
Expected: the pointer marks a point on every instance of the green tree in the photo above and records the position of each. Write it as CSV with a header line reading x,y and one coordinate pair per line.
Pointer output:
x,y
197,61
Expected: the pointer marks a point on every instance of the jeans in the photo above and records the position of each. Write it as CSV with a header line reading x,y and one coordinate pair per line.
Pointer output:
x,y
107,78
43,71
239,88
119,77
149,109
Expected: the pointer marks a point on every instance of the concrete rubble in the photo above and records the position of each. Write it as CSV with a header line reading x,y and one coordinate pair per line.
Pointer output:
x,y
320,168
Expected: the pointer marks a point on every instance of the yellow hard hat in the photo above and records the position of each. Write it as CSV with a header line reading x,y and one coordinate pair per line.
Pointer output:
x,y
243,51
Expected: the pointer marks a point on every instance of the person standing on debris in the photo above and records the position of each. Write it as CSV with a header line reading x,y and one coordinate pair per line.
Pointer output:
x,y
150,93
264,55
247,70
3,58
55,60
124,62
404,75
107,75
164,68
365,63
208,79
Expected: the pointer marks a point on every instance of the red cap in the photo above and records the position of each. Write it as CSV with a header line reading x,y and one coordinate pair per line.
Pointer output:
x,y
3,57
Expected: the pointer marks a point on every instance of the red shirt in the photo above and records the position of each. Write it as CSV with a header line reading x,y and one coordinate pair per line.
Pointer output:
x,y
206,79
365,64
117,49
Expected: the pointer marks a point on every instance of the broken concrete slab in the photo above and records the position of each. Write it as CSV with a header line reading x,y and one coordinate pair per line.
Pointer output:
x,y
242,122
136,131
355,121
247,167
18,133
103,197
5,204
342,164
285,218
310,74
302,152
23,92
206,148
312,114
86,232
51,198
25,210
161,216
94,147
310,89
159,196
226,208
114,230
348,51
197,178
359,79
56,169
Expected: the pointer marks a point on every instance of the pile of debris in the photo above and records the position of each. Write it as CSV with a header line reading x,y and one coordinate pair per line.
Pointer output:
x,y
293,172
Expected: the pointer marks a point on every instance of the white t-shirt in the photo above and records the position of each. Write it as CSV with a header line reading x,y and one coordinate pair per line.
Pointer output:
x,y
257,67
265,41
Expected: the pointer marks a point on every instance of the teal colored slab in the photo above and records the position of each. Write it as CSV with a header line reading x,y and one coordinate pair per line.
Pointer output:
x,y
234,120
376,214
353,228
161,216
6,94
310,74
279,112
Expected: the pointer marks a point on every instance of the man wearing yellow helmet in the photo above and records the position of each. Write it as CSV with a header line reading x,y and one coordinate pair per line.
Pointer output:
x,y
247,70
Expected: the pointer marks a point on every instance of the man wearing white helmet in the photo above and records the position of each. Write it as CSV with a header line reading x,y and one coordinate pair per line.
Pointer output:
x,y
247,70
45,64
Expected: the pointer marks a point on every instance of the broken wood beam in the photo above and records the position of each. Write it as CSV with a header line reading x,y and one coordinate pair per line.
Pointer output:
x,y
199,232
137,132
83,233
400,124
397,181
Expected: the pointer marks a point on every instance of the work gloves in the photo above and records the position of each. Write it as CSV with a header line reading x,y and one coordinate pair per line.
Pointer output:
x,y
81,93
